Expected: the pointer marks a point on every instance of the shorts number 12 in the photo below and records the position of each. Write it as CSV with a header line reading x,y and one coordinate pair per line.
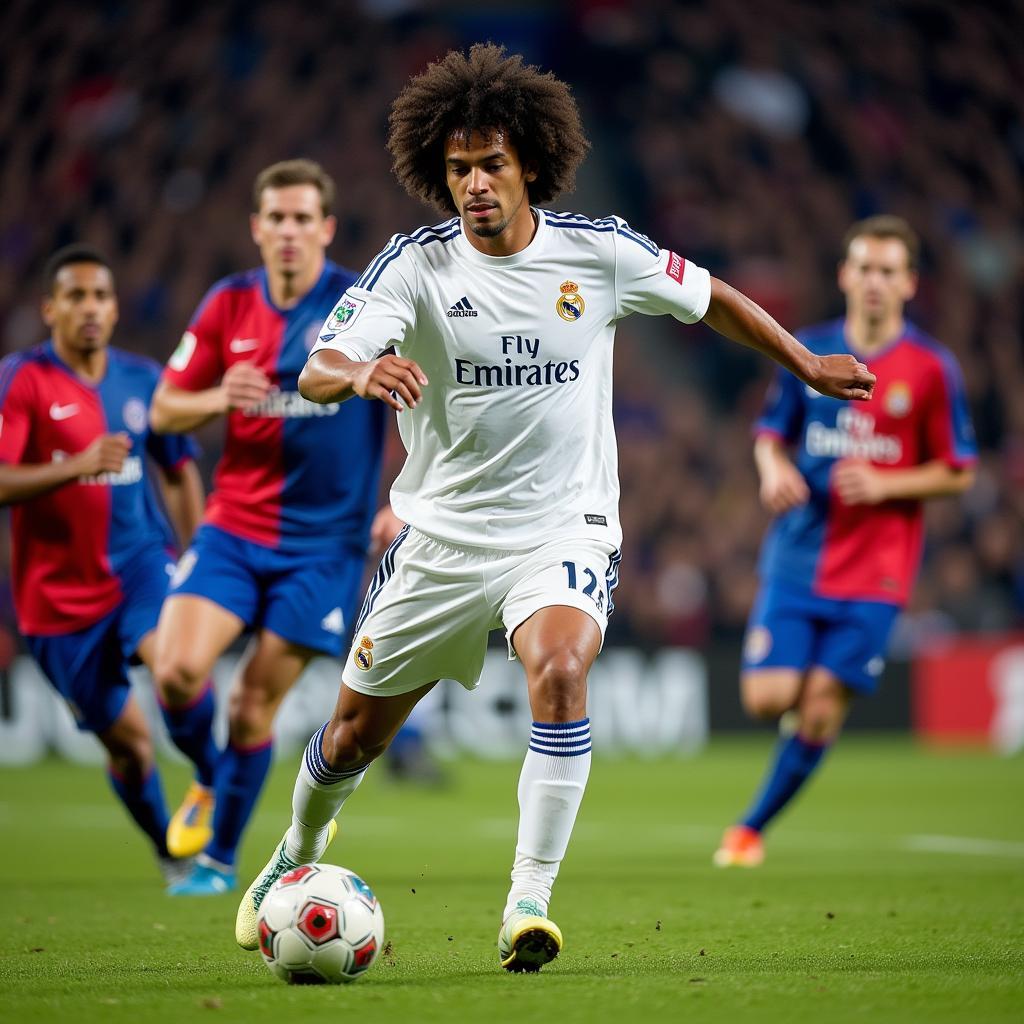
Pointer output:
x,y
588,590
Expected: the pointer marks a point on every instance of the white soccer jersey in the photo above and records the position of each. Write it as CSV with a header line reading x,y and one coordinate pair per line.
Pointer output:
x,y
513,442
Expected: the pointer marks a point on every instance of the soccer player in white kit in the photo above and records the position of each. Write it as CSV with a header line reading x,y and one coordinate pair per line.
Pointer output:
x,y
502,319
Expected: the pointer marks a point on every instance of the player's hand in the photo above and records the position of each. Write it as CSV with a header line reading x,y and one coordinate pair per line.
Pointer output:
x,y
105,455
858,482
841,377
243,386
783,487
384,529
381,377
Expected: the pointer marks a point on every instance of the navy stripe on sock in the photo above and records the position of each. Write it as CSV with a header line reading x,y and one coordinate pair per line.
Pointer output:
x,y
317,765
561,739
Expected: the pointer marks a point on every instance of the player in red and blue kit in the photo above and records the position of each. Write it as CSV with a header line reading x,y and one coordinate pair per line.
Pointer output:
x,y
91,549
286,530
839,561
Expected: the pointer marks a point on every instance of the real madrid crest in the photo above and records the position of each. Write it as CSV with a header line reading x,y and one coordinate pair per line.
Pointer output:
x,y
570,304
363,654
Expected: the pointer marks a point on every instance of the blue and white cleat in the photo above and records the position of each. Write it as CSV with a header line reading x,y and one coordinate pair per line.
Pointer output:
x,y
207,878
247,926
527,939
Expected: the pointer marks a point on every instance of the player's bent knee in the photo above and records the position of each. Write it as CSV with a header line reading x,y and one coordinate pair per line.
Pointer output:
x,y
558,691
821,719
178,682
251,713
768,696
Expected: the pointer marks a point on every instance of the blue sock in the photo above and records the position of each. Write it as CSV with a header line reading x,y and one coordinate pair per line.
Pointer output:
x,y
239,779
144,801
191,730
795,762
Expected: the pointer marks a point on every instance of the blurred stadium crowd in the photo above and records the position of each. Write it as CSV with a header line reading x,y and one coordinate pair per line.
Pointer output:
x,y
749,144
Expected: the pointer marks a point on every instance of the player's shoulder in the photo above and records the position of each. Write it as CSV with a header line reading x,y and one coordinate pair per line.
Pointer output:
x,y
337,278
601,230
928,349
423,245
16,365
235,289
825,338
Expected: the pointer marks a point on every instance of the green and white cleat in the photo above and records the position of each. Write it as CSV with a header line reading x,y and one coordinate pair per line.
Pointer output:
x,y
527,939
247,928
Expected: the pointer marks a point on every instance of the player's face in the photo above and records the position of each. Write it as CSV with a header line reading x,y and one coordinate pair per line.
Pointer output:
x,y
82,309
291,229
876,278
487,180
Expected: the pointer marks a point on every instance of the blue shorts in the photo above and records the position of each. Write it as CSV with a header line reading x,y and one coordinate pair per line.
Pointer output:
x,y
307,598
89,668
790,627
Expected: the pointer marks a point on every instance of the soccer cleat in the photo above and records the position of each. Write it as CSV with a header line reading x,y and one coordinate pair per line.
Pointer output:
x,y
741,847
527,939
191,827
207,878
174,869
247,928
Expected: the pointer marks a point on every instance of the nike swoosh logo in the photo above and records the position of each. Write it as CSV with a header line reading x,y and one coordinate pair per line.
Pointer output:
x,y
244,344
62,412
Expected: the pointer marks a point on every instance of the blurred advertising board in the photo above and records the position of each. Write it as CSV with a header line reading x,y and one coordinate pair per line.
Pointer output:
x,y
640,704
970,689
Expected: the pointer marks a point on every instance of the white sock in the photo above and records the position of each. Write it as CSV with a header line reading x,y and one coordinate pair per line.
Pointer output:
x,y
551,788
317,798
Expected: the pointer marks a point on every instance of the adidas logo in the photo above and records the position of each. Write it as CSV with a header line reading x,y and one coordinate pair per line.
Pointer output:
x,y
333,622
462,308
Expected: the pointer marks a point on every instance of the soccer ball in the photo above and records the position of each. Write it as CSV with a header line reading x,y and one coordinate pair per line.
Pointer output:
x,y
320,924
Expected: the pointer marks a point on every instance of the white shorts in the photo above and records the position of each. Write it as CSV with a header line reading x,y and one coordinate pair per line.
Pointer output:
x,y
431,605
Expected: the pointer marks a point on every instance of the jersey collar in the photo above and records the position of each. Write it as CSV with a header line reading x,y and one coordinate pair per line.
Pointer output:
x,y
265,290
872,357
51,353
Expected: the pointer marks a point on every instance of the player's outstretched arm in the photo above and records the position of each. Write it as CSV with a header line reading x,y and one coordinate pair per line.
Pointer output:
x,y
858,482
176,410
740,319
330,376
22,482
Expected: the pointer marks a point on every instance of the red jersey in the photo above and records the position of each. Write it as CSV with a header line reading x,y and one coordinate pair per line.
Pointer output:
x,y
918,413
70,545
294,475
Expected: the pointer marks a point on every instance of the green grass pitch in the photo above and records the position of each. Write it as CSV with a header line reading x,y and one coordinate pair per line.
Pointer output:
x,y
894,891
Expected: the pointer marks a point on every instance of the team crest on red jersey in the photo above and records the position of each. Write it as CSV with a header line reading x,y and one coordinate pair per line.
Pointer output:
x,y
898,400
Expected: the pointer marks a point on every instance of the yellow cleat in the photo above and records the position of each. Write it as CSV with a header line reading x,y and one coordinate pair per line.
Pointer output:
x,y
247,924
527,939
191,828
741,847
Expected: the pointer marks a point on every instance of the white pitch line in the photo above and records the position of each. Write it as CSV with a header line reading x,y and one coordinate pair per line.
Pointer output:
x,y
109,814
964,844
